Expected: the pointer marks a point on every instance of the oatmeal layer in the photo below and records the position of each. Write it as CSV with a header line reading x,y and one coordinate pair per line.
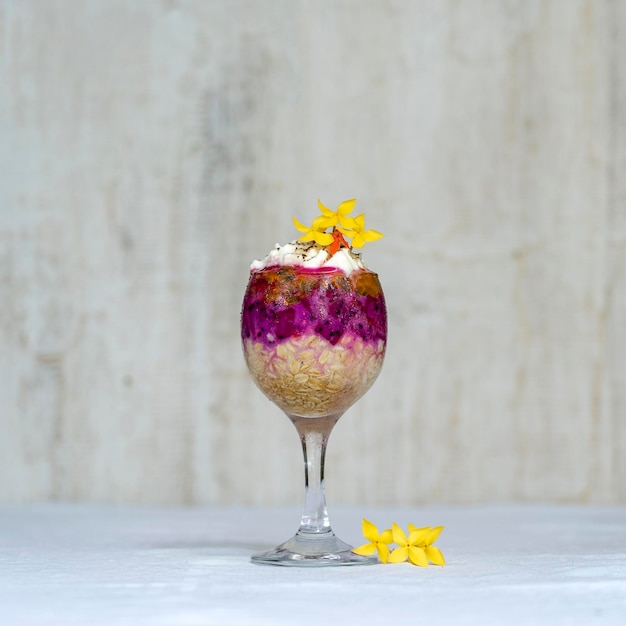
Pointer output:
x,y
307,375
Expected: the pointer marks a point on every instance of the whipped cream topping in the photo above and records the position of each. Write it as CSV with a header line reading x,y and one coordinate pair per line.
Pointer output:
x,y
309,254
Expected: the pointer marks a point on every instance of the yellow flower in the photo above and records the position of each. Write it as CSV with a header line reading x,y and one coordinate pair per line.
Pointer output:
x,y
314,233
433,553
377,542
339,217
357,231
341,224
410,547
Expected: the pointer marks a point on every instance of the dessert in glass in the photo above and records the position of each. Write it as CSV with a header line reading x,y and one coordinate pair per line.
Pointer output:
x,y
314,331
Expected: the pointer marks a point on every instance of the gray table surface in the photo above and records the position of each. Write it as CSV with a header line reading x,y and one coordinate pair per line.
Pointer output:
x,y
507,564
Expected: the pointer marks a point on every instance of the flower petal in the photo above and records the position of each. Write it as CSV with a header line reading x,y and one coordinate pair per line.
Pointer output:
x,y
386,536
399,555
370,532
347,222
366,549
418,536
417,556
398,535
358,241
324,209
346,232
372,235
434,534
321,222
435,555
346,207
323,239
413,527
383,552
299,225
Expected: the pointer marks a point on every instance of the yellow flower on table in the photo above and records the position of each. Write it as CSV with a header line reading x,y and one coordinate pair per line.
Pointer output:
x,y
378,542
417,546
433,553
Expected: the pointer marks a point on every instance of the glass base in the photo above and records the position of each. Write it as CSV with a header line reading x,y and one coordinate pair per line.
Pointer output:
x,y
313,550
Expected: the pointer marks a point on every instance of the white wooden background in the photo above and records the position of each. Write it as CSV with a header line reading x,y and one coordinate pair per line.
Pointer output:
x,y
150,149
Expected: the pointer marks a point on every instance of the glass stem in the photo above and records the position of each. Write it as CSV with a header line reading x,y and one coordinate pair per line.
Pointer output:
x,y
314,434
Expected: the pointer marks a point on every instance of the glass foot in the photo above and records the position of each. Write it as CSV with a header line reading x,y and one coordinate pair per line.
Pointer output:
x,y
313,550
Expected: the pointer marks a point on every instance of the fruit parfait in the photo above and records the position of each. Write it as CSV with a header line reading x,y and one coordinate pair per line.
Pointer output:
x,y
314,322
314,329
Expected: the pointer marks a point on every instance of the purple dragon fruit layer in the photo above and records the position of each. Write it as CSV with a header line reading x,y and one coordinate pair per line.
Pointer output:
x,y
282,303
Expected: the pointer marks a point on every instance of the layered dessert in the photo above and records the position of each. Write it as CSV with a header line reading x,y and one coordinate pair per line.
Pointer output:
x,y
314,322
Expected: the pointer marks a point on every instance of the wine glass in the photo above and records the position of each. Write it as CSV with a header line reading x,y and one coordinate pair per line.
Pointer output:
x,y
314,342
